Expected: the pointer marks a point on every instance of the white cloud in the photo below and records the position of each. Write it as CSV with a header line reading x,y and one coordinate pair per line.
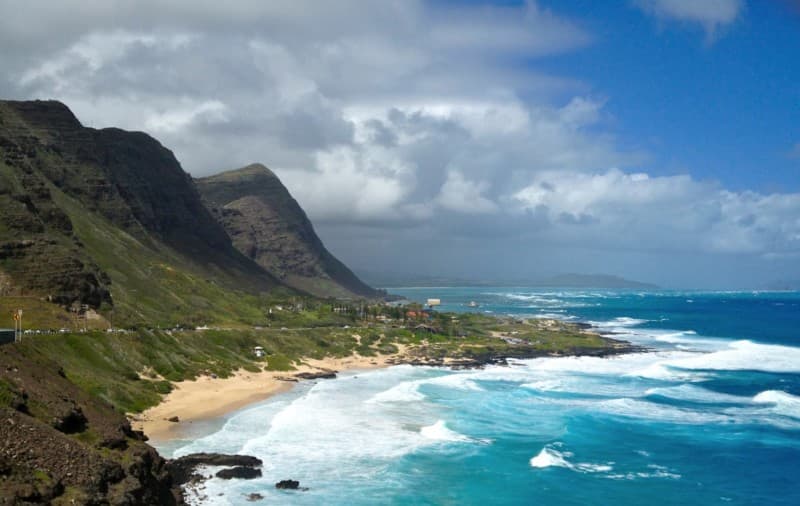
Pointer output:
x,y
711,14
89,54
178,118
464,196
351,185
391,116
634,210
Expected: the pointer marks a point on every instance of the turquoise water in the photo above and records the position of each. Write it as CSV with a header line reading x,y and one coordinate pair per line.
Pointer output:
x,y
711,416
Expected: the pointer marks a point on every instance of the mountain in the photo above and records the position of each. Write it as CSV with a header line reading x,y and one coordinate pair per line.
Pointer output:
x,y
269,226
560,281
592,281
108,218
394,279
783,285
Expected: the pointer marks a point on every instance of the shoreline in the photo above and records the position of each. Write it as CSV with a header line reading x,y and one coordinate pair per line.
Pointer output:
x,y
206,398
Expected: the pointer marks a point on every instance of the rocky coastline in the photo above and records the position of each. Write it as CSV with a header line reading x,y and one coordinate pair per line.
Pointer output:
x,y
59,444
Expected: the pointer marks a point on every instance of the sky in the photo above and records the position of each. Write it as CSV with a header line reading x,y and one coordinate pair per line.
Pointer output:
x,y
653,139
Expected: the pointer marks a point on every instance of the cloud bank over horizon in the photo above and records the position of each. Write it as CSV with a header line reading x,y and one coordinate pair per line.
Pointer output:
x,y
428,137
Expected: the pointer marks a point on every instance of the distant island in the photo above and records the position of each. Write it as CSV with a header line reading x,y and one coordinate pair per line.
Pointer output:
x,y
784,285
593,281
570,280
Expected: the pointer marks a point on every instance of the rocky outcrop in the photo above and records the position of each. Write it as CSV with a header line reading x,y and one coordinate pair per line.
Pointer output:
x,y
268,225
316,375
56,440
288,485
183,469
239,472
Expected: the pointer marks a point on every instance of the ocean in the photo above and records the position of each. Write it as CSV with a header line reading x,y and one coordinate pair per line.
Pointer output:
x,y
710,416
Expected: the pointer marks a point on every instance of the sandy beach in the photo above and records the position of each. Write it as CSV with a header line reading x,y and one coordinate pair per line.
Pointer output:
x,y
207,397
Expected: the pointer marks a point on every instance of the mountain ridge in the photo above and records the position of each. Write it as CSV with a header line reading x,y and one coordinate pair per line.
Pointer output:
x,y
108,219
268,226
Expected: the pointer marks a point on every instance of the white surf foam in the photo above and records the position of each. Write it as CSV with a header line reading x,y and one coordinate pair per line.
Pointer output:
x,y
744,356
439,432
408,391
782,403
634,408
653,471
458,381
550,457
622,321
663,371
548,385
693,393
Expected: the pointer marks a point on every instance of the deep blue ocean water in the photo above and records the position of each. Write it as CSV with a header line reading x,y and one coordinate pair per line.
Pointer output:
x,y
711,416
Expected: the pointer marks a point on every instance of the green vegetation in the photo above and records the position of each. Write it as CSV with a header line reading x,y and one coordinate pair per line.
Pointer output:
x,y
39,314
156,287
133,369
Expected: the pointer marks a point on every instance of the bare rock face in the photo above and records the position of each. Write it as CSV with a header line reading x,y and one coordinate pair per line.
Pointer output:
x,y
269,226
71,420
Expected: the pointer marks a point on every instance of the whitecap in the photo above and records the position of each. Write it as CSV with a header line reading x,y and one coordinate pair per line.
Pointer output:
x,y
663,371
634,408
745,356
456,381
407,391
654,471
439,432
544,385
621,321
782,403
550,457
693,393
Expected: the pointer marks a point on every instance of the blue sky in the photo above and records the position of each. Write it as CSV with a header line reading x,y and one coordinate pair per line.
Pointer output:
x,y
654,139
725,108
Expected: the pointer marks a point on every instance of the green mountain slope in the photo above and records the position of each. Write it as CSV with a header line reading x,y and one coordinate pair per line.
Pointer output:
x,y
108,218
269,226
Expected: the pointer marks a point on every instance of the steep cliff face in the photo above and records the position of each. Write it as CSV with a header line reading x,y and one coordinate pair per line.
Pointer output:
x,y
71,195
269,226
39,251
